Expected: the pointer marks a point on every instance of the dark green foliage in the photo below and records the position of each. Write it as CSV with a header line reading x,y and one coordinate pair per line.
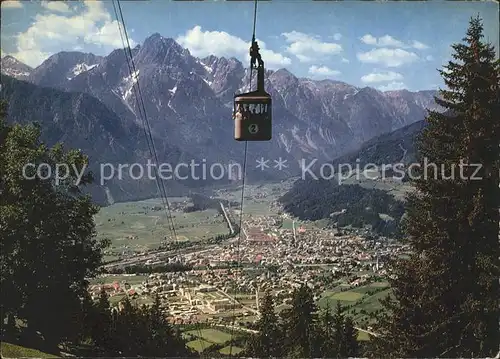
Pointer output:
x,y
48,245
350,344
132,331
326,342
339,337
220,238
48,248
306,201
100,320
268,342
303,332
202,202
300,321
445,301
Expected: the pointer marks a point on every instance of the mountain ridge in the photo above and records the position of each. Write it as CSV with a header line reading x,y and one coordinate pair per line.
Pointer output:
x,y
188,102
64,116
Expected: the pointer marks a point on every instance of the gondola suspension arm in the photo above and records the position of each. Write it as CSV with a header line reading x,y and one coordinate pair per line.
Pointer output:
x,y
252,110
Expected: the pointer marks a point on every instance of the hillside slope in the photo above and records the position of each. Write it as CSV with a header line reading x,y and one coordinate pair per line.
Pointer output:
x,y
389,148
80,121
188,102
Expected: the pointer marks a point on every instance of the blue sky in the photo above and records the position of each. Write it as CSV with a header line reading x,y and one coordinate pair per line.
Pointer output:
x,y
386,45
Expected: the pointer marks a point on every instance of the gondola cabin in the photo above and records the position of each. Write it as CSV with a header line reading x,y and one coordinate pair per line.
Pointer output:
x,y
252,116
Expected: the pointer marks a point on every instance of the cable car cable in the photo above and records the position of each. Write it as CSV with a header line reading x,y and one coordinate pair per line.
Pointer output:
x,y
240,229
159,179
254,20
131,72
141,106
152,149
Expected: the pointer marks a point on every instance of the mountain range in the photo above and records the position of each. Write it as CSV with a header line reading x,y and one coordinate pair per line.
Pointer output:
x,y
389,148
89,101
354,203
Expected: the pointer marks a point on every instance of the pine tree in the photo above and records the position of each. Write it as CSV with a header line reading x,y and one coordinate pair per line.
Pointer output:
x,y
86,317
445,297
131,333
350,345
101,323
266,343
326,333
338,332
164,341
300,324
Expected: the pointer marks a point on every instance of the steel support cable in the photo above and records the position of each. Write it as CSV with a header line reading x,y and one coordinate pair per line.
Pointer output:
x,y
152,150
131,72
147,129
242,192
254,19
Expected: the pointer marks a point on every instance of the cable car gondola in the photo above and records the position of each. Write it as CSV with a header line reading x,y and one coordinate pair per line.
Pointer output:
x,y
252,112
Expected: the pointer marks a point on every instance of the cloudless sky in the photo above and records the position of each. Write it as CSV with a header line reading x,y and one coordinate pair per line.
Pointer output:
x,y
322,39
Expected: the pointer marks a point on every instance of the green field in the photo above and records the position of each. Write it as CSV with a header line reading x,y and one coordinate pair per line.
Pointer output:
x,y
370,287
135,226
259,208
199,345
287,224
363,336
143,225
362,290
257,196
372,303
228,350
206,337
359,295
8,350
331,298
347,296
211,335
379,284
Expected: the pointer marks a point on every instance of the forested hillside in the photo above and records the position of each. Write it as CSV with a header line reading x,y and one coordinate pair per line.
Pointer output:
x,y
394,147
343,204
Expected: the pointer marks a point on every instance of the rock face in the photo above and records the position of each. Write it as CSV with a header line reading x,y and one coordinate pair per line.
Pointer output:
x,y
188,104
14,68
81,121
63,67
397,147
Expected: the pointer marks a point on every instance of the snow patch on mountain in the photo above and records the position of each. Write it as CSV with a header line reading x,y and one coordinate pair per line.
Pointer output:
x,y
79,68
128,85
208,68
14,68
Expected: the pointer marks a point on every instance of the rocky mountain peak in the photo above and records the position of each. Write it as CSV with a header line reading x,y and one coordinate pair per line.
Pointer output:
x,y
161,51
156,40
12,67
283,80
223,75
63,66
12,61
284,76
188,101
369,91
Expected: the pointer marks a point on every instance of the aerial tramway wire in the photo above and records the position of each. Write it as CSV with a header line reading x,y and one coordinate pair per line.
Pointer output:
x,y
142,110
149,137
240,229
